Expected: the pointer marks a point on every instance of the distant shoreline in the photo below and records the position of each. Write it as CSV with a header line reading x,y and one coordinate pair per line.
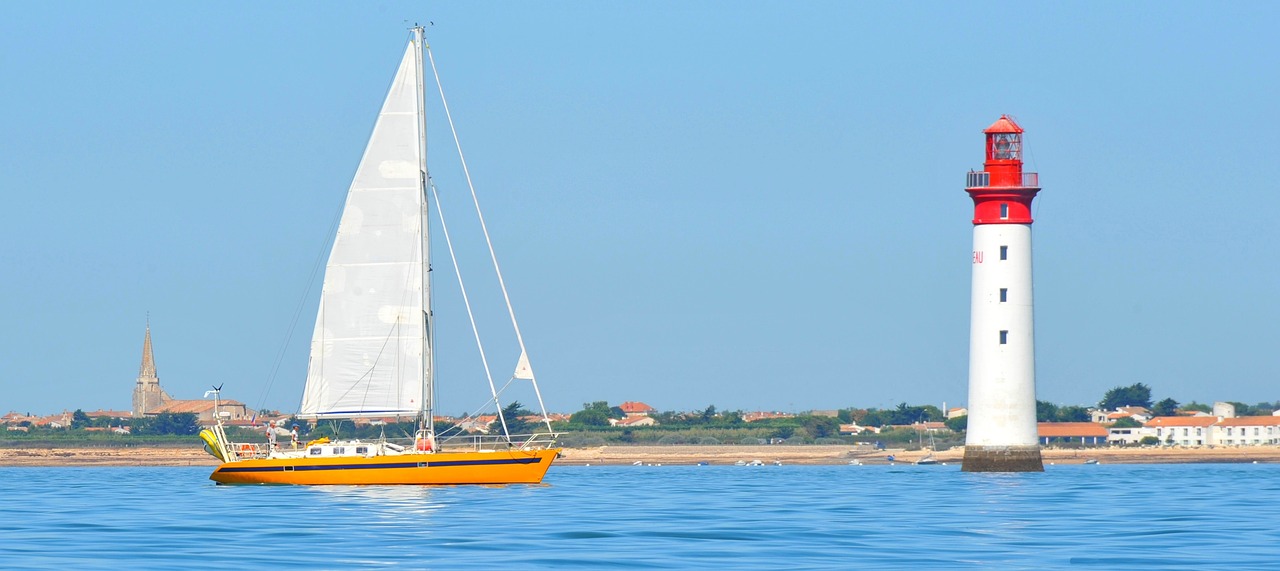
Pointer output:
x,y
677,455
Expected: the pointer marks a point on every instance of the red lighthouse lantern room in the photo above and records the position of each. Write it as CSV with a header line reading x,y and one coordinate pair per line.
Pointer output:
x,y
1002,193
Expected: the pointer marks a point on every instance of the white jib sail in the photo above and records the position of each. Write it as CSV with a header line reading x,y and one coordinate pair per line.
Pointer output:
x,y
368,345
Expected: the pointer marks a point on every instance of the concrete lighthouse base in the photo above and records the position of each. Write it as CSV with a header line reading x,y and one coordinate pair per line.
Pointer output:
x,y
1002,459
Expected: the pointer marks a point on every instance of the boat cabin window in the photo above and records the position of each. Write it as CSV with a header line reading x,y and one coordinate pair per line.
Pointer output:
x,y
339,450
316,451
362,450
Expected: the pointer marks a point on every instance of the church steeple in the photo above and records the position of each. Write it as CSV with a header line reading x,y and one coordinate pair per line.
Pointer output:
x,y
148,368
147,394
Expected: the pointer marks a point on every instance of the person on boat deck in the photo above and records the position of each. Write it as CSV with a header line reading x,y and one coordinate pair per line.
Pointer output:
x,y
271,435
293,436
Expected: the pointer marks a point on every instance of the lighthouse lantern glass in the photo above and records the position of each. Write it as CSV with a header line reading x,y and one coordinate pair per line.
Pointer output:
x,y
1006,146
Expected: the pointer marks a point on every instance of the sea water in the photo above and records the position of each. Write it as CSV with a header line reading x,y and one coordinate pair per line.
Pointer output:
x,y
655,517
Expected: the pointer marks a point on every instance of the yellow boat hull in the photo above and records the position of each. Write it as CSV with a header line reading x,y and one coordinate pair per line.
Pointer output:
x,y
441,468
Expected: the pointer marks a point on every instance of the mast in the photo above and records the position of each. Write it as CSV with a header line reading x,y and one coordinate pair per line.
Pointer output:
x,y
428,338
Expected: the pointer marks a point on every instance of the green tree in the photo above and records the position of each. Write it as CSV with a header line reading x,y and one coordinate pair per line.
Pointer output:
x,y
1136,394
1126,422
516,425
820,426
784,431
79,419
1149,441
182,423
1072,413
708,414
1046,411
958,423
1166,407
1198,407
592,414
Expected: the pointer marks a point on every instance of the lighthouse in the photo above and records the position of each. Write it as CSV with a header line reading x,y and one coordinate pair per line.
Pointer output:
x,y
1001,436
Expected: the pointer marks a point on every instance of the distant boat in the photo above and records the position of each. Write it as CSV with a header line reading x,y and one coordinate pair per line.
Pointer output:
x,y
1091,461
373,350
928,459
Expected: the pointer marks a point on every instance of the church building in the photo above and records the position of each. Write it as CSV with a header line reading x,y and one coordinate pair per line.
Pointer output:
x,y
149,399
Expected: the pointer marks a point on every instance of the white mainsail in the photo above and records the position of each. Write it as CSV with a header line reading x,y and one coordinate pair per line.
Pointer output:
x,y
368,351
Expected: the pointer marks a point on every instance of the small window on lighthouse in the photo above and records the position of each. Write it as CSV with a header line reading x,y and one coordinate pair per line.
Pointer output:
x,y
1004,252
1004,294
1004,210
1004,337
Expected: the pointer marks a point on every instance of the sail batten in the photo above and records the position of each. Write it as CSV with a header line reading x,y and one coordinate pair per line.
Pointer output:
x,y
368,343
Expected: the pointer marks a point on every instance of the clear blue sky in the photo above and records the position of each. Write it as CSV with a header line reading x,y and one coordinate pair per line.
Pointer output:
x,y
746,204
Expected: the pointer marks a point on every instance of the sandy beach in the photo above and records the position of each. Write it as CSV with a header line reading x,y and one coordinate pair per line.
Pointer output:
x,y
678,455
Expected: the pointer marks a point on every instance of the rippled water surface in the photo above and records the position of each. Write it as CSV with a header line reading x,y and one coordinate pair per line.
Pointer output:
x,y
633,517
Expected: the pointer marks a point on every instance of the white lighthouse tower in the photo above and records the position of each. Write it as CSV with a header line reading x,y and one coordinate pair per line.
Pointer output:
x,y
1001,436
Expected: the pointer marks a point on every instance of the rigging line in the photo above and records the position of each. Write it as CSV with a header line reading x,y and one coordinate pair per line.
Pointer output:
x,y
469,416
302,301
368,374
492,255
444,228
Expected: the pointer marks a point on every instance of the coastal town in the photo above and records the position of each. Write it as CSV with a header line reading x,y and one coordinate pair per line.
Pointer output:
x,y
1164,424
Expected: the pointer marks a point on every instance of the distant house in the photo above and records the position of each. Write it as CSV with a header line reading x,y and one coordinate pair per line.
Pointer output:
x,y
203,409
922,426
763,415
856,429
1205,430
481,424
17,418
1183,430
633,421
108,414
1129,435
1137,413
956,412
1246,431
1063,432
636,408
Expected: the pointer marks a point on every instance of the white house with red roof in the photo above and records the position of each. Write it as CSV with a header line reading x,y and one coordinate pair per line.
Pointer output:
x,y
630,421
1246,431
1137,413
1215,430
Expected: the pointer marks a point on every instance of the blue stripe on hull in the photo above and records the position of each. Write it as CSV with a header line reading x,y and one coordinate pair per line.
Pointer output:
x,y
439,464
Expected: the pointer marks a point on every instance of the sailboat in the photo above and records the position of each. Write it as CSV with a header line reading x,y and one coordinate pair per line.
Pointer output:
x,y
928,459
372,350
